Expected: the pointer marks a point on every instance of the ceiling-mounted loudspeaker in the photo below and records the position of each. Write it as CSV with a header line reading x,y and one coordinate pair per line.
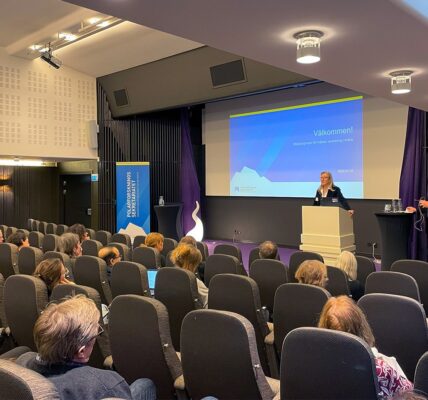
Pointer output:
x,y
229,73
92,132
121,97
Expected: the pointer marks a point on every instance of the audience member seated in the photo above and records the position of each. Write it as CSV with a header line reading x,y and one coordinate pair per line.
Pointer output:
x,y
268,250
70,244
190,240
189,257
52,272
342,314
155,241
111,256
19,239
80,231
65,334
348,264
312,272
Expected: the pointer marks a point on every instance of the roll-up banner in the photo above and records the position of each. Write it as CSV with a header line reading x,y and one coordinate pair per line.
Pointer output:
x,y
133,195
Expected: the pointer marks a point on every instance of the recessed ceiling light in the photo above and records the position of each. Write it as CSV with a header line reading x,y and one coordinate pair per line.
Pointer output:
x,y
35,47
94,20
103,24
401,82
308,46
43,49
69,37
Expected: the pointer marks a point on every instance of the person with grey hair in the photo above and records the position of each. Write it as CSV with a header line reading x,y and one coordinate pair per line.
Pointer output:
x,y
70,244
268,249
65,334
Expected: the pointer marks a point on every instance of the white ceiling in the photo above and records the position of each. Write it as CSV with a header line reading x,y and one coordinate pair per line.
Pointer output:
x,y
364,39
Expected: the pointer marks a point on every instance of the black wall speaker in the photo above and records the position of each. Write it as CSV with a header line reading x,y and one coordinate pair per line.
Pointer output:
x,y
228,74
121,97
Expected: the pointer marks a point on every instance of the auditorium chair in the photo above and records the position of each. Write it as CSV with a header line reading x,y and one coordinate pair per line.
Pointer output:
x,y
124,250
35,239
25,297
50,243
138,240
296,305
296,259
51,228
141,343
220,264
219,357
25,231
327,364
177,289
269,275
8,259
3,319
28,259
399,326
365,266
121,238
240,294
10,230
21,383
29,224
92,271
66,260
168,261
60,229
337,283
41,227
168,246
421,374
91,233
91,247
35,225
228,249
391,282
147,256
129,277
103,237
203,248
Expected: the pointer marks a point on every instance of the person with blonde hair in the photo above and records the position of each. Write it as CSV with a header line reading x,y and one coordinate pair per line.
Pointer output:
x,y
348,264
191,241
155,241
312,272
65,335
268,250
189,257
52,272
111,255
342,314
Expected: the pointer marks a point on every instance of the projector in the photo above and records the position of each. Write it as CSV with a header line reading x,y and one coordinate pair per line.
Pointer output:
x,y
51,60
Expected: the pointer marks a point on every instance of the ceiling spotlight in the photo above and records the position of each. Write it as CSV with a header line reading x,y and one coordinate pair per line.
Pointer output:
x,y
401,82
50,59
35,47
69,37
103,24
308,46
94,20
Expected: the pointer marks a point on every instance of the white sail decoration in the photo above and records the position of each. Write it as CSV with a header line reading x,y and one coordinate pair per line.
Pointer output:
x,y
198,230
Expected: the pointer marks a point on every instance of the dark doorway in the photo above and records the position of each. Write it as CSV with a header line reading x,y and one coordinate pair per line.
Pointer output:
x,y
76,199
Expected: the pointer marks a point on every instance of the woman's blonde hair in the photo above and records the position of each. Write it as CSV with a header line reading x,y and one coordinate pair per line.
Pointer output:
x,y
62,329
153,239
342,314
187,257
330,178
108,254
312,272
50,271
348,264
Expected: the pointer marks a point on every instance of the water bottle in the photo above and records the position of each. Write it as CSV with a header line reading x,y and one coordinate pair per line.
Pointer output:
x,y
161,201
399,205
394,205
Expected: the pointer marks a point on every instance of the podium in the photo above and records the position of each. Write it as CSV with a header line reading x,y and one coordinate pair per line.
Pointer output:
x,y
327,231
169,220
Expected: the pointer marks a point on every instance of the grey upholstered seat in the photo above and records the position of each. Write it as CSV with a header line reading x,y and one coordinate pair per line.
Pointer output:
x,y
219,357
399,326
103,236
296,305
129,277
92,271
50,243
51,228
220,264
121,238
147,256
66,260
337,283
8,259
392,283
36,239
91,247
27,232
29,224
10,230
91,233
21,383
3,319
296,259
421,374
177,289
60,229
28,259
124,250
203,248
25,297
41,227
168,260
138,240
269,275
326,364
168,246
365,266
141,343
228,249
240,294
34,225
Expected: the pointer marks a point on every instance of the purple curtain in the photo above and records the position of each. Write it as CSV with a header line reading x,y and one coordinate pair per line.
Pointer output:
x,y
189,188
413,176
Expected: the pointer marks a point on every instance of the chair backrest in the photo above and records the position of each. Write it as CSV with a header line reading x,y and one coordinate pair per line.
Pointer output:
x,y
3,319
227,368
220,264
421,381
177,289
8,259
92,271
25,297
124,250
147,256
397,320
41,227
10,230
121,238
240,294
269,275
28,259
296,305
3,229
91,233
21,383
29,224
103,236
50,242
24,231
60,229
36,239
168,246
296,259
392,283
337,283
254,255
320,355
139,331
34,225
91,247
365,266
129,277
419,271
138,240
168,261
62,256
203,248
228,249
51,228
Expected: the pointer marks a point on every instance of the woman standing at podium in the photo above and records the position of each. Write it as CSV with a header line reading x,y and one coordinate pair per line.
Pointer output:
x,y
327,189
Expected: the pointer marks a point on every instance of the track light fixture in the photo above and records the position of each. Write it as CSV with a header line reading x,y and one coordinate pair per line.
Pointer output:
x,y
308,46
50,59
